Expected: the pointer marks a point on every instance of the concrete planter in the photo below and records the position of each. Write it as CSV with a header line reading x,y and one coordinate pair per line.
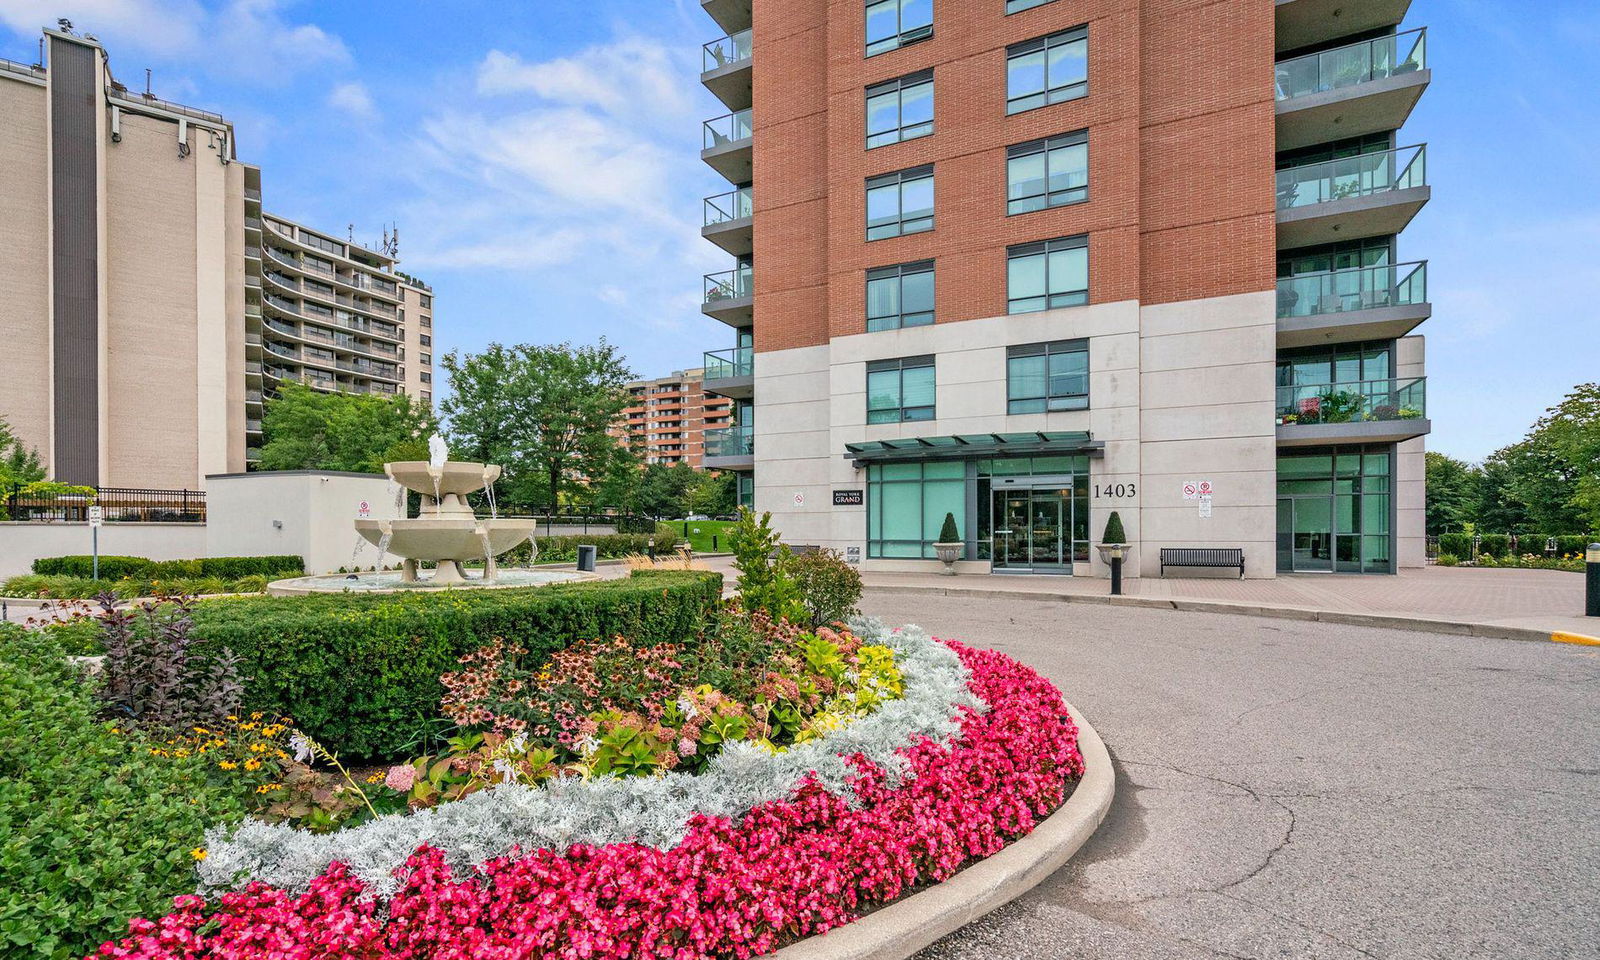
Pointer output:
x,y
948,554
1107,548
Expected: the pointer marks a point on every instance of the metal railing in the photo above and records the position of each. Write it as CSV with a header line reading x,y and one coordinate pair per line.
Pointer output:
x,y
729,285
1358,176
1355,401
737,441
725,51
1358,288
27,70
117,505
727,129
726,207
733,362
1352,64
252,426
252,193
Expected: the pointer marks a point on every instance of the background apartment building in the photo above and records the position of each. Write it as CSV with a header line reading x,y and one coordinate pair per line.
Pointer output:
x,y
667,418
147,303
1031,261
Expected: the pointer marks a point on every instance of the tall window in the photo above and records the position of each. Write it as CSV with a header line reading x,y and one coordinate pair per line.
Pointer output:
x,y
899,203
1047,70
906,504
1047,376
1047,173
895,23
900,296
900,109
1048,274
900,390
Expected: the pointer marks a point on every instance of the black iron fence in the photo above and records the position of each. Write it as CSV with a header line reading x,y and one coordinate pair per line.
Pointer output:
x,y
117,505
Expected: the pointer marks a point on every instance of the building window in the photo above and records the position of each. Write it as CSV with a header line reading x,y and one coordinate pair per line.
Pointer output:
x,y
900,390
427,358
1017,6
427,302
1047,376
1047,173
427,397
900,296
900,109
1047,274
1047,70
900,203
895,23
427,341
906,504
426,322
426,377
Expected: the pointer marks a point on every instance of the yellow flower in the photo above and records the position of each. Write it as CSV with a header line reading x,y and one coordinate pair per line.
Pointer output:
x,y
257,715
198,853
266,788
227,764
258,748
247,726
252,764
233,718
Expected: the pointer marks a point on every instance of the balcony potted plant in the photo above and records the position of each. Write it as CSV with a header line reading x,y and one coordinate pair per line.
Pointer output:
x,y
949,546
1114,543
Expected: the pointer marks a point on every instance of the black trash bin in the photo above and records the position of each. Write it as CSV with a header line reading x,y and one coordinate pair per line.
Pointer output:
x,y
586,558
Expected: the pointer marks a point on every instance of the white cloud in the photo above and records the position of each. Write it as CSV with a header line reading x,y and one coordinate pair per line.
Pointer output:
x,y
353,99
631,76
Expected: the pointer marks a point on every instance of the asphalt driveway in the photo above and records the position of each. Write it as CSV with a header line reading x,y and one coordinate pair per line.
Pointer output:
x,y
1297,789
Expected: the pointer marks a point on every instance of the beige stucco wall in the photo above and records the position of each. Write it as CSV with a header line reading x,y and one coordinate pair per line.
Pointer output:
x,y
24,263
152,348
23,543
305,513
1411,469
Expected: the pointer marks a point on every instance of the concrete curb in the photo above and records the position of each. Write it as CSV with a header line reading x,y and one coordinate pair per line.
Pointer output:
x,y
906,926
1390,621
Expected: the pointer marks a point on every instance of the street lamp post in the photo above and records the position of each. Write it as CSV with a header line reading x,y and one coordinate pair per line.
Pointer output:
x,y
1592,581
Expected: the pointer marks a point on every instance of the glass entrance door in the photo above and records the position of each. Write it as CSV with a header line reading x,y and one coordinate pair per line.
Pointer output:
x,y
1032,529
1305,534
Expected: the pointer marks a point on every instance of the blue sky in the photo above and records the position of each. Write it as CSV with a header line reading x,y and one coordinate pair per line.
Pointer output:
x,y
541,160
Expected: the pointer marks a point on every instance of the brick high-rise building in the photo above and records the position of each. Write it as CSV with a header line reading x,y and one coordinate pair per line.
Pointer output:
x,y
148,304
668,417
1028,262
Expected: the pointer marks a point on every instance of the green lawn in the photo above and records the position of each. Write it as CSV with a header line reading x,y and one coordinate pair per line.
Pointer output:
x,y
700,533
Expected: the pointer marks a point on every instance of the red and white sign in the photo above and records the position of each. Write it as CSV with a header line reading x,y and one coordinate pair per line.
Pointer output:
x,y
1190,489
363,509
799,499
1205,489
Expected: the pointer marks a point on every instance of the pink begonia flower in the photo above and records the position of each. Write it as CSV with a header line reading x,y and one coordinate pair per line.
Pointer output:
x,y
401,778
788,869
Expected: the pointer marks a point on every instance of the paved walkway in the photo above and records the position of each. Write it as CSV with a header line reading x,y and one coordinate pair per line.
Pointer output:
x,y
1310,790
1538,599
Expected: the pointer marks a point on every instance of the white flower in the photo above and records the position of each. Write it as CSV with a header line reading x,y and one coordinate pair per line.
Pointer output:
x,y
587,745
518,743
506,769
686,704
301,745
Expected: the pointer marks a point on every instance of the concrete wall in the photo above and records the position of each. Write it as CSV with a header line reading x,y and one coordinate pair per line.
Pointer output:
x,y
25,385
1410,470
306,513
23,543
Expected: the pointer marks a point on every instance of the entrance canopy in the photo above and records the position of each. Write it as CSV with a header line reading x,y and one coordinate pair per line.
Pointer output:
x,y
968,446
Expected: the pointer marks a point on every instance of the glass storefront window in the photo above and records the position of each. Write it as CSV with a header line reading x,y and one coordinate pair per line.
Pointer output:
x,y
1334,511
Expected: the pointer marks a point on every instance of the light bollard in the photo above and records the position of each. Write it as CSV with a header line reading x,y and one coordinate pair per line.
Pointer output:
x,y
1591,578
1116,571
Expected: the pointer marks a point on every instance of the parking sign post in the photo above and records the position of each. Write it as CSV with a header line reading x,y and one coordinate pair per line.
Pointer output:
x,y
96,515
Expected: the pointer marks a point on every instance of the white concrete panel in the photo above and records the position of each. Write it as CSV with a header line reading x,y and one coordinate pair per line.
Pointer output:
x,y
23,543
1217,313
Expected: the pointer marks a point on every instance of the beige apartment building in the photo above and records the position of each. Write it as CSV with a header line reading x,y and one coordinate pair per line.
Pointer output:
x,y
148,304
1028,262
667,418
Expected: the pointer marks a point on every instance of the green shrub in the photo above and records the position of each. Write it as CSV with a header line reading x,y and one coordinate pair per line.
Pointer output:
x,y
82,588
763,561
1566,546
1447,560
829,587
96,829
643,525
118,568
235,568
361,673
1114,533
1457,543
111,567
608,546
948,532
1494,544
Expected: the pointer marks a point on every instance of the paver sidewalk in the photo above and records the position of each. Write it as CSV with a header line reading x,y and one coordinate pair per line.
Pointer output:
x,y
1547,600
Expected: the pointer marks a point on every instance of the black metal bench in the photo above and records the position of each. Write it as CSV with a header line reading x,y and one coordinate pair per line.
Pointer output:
x,y
1202,557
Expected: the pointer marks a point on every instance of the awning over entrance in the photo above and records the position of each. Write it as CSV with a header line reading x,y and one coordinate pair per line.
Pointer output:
x,y
968,446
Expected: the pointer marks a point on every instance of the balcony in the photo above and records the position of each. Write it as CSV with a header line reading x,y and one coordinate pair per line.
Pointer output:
x,y
725,69
1365,411
729,297
730,15
1362,303
730,373
727,221
726,146
252,426
731,448
1369,195
1350,91
1302,23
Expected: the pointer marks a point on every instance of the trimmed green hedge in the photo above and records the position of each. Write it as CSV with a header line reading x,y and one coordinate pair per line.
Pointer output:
x,y
116,568
93,829
1458,544
608,546
361,673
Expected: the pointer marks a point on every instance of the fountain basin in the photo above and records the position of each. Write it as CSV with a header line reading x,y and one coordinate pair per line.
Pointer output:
x,y
455,477
446,538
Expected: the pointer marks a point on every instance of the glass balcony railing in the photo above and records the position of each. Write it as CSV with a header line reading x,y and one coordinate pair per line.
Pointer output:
x,y
727,129
1358,176
1358,401
726,51
733,362
726,207
1358,288
729,285
1352,64
731,442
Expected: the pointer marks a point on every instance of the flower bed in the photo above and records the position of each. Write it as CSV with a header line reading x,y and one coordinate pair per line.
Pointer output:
x,y
758,849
